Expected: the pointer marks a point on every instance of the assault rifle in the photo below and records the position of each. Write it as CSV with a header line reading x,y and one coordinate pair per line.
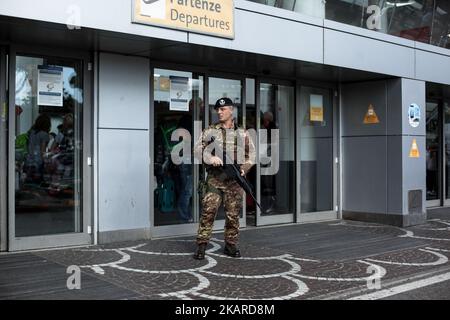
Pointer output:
x,y
233,171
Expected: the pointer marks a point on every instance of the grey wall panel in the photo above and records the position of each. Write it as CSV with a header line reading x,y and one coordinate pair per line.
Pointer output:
x,y
414,91
356,99
394,107
395,174
364,174
414,169
343,27
432,67
432,48
356,52
111,15
124,96
267,35
402,93
123,179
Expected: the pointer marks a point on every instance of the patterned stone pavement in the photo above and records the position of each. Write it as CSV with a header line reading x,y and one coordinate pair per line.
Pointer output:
x,y
269,270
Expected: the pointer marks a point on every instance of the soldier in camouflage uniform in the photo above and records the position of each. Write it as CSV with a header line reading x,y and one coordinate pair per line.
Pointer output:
x,y
219,187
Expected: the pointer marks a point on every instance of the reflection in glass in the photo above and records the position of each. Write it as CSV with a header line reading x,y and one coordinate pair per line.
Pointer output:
x,y
426,21
441,24
48,110
447,146
316,149
174,184
277,112
432,156
312,8
421,20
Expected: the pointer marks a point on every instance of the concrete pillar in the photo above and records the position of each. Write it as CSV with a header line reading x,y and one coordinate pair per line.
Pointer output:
x,y
123,148
383,180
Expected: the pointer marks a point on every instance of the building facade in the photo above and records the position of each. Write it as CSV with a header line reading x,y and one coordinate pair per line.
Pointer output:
x,y
92,91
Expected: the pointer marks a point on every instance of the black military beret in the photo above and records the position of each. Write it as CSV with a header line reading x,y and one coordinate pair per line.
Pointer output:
x,y
222,102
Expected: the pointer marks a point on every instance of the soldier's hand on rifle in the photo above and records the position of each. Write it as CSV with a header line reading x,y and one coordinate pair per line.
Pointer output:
x,y
242,172
216,162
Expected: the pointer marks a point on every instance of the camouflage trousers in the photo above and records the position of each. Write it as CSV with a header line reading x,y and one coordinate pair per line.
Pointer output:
x,y
232,194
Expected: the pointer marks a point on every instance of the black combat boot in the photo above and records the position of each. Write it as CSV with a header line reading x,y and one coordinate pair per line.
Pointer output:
x,y
200,253
232,250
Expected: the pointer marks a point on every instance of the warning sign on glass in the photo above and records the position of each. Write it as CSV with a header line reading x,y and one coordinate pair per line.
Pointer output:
x,y
316,108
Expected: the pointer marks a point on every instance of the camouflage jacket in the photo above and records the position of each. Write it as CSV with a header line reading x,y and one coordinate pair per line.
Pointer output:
x,y
237,142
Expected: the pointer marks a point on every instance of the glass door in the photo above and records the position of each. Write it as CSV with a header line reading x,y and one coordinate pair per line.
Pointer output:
x,y
446,106
3,150
276,187
438,145
317,153
48,178
250,124
178,112
433,153
219,87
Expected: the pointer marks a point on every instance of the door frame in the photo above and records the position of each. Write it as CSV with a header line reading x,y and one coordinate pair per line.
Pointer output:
x,y
188,228
276,218
334,213
176,229
440,201
85,237
295,217
445,157
3,151
220,224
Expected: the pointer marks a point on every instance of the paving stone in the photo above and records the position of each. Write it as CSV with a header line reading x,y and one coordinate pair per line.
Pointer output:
x,y
289,262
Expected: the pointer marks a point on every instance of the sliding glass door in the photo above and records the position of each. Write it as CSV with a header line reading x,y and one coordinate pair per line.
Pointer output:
x,y
3,150
276,150
433,154
48,172
183,101
317,153
175,196
438,145
219,87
